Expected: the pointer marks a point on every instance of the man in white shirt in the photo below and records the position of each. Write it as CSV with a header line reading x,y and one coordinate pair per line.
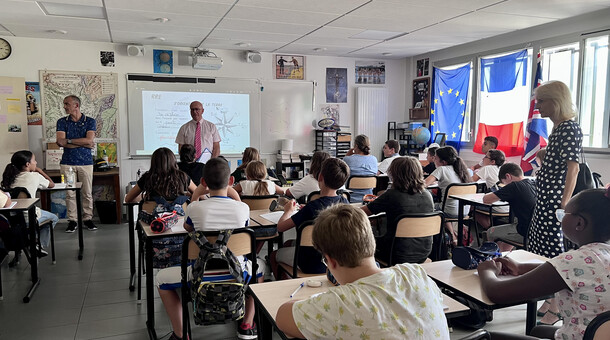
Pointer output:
x,y
391,150
199,132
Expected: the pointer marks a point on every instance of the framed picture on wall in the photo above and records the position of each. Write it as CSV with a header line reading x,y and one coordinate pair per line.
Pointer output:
x,y
423,66
289,66
421,93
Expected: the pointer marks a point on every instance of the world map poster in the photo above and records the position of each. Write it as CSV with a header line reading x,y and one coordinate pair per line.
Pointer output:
x,y
98,93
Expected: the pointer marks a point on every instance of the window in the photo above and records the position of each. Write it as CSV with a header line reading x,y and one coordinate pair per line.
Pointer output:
x,y
561,63
593,121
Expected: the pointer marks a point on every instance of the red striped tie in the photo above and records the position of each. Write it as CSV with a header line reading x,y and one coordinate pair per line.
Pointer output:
x,y
198,141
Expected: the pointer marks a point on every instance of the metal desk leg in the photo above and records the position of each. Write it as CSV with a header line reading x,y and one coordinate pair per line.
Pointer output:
x,y
140,263
33,254
460,236
132,249
79,212
530,318
150,303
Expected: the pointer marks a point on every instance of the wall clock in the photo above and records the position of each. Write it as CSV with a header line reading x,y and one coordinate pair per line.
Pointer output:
x,y
5,49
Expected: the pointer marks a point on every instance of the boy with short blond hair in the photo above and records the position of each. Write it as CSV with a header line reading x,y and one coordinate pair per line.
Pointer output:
x,y
399,302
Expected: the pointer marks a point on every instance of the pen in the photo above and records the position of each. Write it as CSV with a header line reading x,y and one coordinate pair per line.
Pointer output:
x,y
297,290
506,256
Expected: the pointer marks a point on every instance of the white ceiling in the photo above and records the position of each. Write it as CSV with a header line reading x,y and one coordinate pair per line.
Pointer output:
x,y
293,26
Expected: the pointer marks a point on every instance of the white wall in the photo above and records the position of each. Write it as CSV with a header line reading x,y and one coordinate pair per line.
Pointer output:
x,y
552,34
31,55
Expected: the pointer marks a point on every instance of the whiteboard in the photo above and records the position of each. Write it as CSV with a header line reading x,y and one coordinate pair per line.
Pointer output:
x,y
287,111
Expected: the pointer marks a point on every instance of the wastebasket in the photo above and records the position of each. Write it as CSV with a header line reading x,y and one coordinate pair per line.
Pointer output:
x,y
106,210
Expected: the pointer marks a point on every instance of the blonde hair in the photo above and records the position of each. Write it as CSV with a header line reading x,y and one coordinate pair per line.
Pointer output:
x,y
257,171
250,154
363,144
344,233
559,95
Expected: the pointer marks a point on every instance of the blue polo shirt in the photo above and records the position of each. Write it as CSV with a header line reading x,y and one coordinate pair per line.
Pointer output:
x,y
74,130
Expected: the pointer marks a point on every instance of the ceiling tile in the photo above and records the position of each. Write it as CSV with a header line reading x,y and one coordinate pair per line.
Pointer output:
x,y
158,30
24,13
336,7
248,36
175,20
557,9
171,6
279,15
263,26
40,31
261,46
145,39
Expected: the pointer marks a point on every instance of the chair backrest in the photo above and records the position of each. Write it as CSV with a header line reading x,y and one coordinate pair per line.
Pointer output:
x,y
459,189
316,194
20,192
259,202
240,243
421,225
599,328
361,182
304,239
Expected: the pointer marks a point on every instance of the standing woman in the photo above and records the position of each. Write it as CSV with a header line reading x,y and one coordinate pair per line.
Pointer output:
x,y
556,179
361,163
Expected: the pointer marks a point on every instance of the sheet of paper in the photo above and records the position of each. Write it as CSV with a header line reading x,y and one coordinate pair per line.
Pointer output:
x,y
10,206
60,185
273,216
205,156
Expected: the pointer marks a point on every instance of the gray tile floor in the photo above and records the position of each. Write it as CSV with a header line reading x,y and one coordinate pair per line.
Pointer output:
x,y
90,299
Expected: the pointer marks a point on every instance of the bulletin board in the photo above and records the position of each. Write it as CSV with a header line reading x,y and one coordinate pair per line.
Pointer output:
x,y
13,118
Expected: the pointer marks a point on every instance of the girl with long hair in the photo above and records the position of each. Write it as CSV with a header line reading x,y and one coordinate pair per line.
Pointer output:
x,y
250,154
256,183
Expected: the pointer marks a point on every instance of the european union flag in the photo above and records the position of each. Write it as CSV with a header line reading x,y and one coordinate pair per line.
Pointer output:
x,y
450,92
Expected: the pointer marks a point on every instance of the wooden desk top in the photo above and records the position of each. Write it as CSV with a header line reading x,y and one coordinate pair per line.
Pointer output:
x,y
477,199
22,204
255,215
110,172
178,229
273,294
467,282
63,186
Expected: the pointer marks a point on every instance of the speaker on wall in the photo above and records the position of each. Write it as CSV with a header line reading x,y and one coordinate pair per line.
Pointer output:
x,y
135,50
253,57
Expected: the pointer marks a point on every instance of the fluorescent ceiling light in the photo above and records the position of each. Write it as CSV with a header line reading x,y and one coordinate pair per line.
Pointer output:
x,y
375,35
75,11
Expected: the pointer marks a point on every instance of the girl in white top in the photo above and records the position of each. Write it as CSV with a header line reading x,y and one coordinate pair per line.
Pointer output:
x,y
309,183
22,171
256,184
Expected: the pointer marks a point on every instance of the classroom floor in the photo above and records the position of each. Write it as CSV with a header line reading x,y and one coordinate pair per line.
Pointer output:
x,y
90,299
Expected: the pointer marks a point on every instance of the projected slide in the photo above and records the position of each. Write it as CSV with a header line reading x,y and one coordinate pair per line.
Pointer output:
x,y
164,112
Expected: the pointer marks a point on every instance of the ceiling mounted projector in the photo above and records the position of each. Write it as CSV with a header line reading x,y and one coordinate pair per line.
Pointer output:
x,y
206,60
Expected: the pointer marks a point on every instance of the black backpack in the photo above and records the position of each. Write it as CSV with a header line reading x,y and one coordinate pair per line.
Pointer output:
x,y
217,302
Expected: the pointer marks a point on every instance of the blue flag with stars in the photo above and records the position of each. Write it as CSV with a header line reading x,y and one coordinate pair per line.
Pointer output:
x,y
450,92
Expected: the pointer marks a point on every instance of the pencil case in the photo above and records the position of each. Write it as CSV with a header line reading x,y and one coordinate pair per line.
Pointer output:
x,y
470,257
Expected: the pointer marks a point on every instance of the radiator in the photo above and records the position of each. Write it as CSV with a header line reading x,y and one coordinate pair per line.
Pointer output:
x,y
372,116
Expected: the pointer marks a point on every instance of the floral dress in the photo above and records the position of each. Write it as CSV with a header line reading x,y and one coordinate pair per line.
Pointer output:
x,y
545,236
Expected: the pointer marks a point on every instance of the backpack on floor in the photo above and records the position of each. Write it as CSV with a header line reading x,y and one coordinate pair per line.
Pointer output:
x,y
218,287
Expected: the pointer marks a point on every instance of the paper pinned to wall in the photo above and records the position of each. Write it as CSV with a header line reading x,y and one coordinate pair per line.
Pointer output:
x,y
53,159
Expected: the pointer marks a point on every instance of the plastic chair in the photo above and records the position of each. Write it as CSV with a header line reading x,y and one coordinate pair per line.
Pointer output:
x,y
304,232
241,242
259,202
314,195
419,225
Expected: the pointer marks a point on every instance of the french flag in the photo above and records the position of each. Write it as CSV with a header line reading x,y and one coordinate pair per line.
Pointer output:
x,y
535,134
503,81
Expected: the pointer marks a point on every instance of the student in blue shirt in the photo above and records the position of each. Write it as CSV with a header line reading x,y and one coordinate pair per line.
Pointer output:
x,y
75,133
361,163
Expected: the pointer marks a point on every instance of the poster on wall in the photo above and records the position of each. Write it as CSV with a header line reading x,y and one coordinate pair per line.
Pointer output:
x,y
289,67
336,85
163,61
107,58
330,111
423,67
370,72
32,97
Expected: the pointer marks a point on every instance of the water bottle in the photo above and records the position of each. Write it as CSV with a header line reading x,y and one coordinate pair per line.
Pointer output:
x,y
70,177
105,157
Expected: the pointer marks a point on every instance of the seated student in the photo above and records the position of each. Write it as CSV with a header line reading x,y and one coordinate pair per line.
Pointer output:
x,y
450,168
492,162
23,171
202,192
428,169
218,212
5,199
164,179
520,193
255,183
489,142
309,183
361,163
333,174
407,195
399,302
188,164
578,278
250,154
391,150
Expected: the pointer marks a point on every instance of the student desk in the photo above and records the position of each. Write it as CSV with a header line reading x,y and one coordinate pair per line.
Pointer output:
x,y
466,283
109,177
29,205
45,199
473,200
148,236
269,296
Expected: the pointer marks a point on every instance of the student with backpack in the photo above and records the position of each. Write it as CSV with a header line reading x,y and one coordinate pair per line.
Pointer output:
x,y
578,278
256,183
400,302
333,174
23,172
218,212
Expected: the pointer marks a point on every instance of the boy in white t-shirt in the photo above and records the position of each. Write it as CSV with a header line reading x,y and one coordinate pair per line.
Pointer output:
x,y
218,212
391,150
399,302
489,142
492,162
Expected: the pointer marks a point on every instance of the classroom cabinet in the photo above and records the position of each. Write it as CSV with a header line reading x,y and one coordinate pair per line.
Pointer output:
x,y
335,143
